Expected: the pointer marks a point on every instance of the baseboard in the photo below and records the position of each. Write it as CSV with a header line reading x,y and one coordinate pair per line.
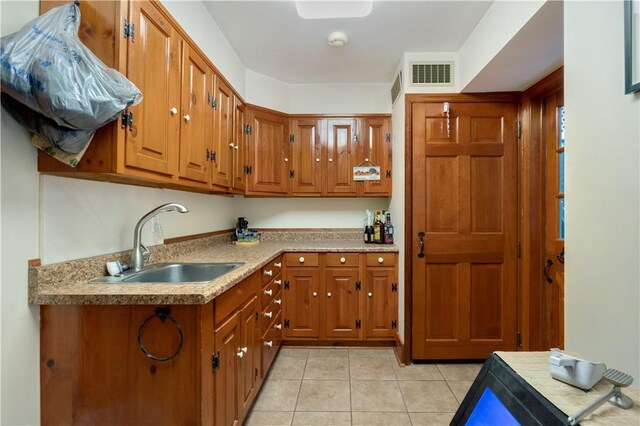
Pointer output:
x,y
400,351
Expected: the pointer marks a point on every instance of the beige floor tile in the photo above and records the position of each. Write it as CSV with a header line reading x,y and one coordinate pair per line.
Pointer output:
x,y
324,418
376,396
269,418
324,395
278,395
361,418
327,368
417,372
431,419
459,371
287,368
428,396
332,352
459,388
293,352
371,369
370,353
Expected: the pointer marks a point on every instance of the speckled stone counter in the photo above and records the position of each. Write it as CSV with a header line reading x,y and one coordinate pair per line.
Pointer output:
x,y
67,283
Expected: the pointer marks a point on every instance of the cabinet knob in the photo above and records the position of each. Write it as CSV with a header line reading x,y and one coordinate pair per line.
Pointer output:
x,y
366,160
343,260
381,260
173,111
286,159
329,294
331,160
317,160
236,146
278,301
268,292
231,145
270,272
370,294
245,349
278,326
269,343
301,260
187,117
315,294
278,265
268,314
278,282
240,354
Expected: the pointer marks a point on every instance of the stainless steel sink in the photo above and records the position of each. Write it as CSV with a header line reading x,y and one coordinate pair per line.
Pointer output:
x,y
174,273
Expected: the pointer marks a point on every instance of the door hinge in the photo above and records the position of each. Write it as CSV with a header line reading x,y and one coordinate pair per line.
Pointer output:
x,y
358,324
257,316
256,377
248,170
394,287
286,285
394,324
215,361
213,156
358,285
292,173
356,137
247,129
250,129
286,323
518,129
519,249
214,103
126,120
388,173
129,30
208,155
519,339
292,138
388,137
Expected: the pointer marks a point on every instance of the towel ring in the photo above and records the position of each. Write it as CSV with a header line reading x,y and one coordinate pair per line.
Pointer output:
x,y
163,313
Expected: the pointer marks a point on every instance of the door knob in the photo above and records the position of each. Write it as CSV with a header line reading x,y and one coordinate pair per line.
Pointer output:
x,y
343,260
421,242
329,294
268,292
370,294
187,117
268,314
268,343
173,111
278,301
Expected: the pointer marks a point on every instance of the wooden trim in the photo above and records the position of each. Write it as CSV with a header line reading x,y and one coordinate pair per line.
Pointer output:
x,y
265,109
463,97
197,236
34,263
328,115
549,84
408,231
400,351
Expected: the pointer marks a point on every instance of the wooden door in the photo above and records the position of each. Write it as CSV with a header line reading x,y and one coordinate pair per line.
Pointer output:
x,y
464,197
341,313
239,155
250,360
227,346
341,153
306,156
223,137
554,141
195,130
268,153
375,134
301,303
154,67
380,304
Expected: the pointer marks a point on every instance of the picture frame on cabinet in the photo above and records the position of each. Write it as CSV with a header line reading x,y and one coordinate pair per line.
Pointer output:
x,y
632,45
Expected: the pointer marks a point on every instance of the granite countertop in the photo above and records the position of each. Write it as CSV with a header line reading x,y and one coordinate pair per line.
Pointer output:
x,y
67,283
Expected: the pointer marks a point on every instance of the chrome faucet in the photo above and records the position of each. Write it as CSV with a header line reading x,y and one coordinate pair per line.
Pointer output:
x,y
140,253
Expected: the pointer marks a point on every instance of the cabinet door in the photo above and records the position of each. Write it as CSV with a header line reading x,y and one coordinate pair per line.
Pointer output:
x,y
227,345
268,153
341,135
222,140
240,145
306,156
376,150
195,130
249,361
301,302
154,67
380,304
342,316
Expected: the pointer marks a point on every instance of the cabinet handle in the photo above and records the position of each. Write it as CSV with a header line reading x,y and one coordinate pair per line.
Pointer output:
x,y
245,349
236,146
278,301
329,294
331,160
317,160
315,294
370,294
381,260
278,326
278,282
286,159
269,272
187,117
343,260
173,111
269,343
268,314
231,145
268,292
240,354
301,260
278,265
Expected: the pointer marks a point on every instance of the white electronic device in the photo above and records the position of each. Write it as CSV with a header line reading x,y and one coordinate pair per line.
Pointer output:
x,y
575,371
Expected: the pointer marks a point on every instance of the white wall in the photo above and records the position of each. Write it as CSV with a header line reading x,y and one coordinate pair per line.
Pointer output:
x,y
356,98
266,91
602,290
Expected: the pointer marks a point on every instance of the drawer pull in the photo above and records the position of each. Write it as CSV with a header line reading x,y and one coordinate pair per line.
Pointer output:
x,y
343,260
278,326
187,117
278,282
268,292
301,260
381,260
329,294
245,349
268,314
278,265
240,354
270,272
315,294
269,344
173,111
278,301
317,160
370,294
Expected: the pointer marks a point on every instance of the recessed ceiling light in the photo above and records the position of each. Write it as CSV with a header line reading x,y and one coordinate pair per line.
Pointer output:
x,y
313,9
338,39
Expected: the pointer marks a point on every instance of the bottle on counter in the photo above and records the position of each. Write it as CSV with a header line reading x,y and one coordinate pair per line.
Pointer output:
x,y
388,233
383,220
377,229
368,228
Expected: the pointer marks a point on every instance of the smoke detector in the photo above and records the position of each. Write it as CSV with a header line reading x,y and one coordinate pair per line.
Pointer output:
x,y
338,39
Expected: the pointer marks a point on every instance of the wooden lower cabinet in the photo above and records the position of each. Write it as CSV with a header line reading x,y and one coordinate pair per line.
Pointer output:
x,y
381,303
227,342
341,303
302,303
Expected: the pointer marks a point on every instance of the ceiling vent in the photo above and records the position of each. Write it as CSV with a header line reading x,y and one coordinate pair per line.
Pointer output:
x,y
396,89
432,74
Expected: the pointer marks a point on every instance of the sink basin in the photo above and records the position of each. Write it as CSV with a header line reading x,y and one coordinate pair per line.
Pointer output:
x,y
174,273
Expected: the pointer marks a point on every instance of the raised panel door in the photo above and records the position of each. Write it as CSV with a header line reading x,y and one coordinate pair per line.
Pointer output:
x,y
195,129
376,151
380,304
268,154
306,156
301,305
227,344
154,67
341,153
341,303
250,360
239,155
223,136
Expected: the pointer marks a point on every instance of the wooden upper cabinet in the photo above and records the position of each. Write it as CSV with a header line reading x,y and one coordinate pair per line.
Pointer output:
x,y
222,141
239,155
268,153
341,135
307,162
375,150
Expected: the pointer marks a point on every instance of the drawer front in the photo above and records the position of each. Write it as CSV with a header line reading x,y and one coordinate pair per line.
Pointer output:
x,y
381,259
234,298
269,293
343,259
271,340
302,259
271,311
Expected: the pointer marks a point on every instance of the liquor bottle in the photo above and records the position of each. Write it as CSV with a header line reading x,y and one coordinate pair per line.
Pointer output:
x,y
388,233
377,229
383,220
368,228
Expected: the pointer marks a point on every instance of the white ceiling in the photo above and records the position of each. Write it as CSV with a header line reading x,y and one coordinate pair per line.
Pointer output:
x,y
272,39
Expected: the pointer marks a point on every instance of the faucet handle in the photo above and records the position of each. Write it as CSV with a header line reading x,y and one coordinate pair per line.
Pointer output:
x,y
146,254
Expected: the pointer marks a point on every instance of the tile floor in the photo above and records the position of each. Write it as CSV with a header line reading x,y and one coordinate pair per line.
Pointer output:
x,y
349,386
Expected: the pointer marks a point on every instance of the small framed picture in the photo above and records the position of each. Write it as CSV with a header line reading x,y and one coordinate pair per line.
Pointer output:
x,y
632,45
366,173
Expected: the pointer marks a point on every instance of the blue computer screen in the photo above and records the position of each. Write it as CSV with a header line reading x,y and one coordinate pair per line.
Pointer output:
x,y
490,411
